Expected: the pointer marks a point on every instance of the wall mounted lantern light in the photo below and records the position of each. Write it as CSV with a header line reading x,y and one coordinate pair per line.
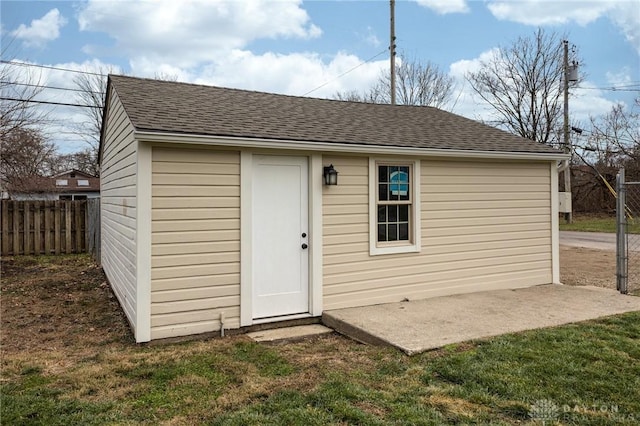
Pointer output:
x,y
330,175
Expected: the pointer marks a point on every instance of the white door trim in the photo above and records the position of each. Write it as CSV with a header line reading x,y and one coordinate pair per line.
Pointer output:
x,y
246,209
316,236
246,233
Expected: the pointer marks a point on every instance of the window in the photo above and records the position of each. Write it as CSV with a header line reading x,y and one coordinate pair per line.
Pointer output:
x,y
83,182
62,182
394,211
79,197
66,198
394,203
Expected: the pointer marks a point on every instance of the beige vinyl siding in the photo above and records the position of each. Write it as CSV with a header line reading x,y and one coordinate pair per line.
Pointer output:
x,y
195,257
118,206
484,225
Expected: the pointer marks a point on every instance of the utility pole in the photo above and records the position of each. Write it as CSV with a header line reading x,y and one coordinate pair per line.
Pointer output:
x,y
565,130
392,48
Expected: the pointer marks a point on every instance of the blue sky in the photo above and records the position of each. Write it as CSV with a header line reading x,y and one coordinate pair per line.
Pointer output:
x,y
293,47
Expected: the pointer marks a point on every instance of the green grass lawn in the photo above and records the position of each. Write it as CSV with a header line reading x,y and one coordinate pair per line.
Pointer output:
x,y
588,374
91,372
597,224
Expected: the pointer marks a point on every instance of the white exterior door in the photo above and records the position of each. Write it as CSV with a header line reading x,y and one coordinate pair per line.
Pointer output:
x,y
279,241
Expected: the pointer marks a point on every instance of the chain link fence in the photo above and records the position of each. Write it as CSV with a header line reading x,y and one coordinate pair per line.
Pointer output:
x,y
628,236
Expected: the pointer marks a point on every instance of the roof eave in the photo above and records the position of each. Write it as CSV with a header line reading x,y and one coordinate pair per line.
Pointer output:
x,y
240,142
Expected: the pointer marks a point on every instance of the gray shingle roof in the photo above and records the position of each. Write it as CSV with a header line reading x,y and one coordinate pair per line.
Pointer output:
x,y
163,106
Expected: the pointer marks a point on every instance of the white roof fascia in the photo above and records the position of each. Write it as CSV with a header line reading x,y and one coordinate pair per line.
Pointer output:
x,y
230,141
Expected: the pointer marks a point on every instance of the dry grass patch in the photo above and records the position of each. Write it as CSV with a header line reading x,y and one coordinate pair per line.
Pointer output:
x,y
69,358
453,405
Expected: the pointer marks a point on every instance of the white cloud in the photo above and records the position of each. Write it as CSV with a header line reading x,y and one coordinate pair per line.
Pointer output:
x,y
445,6
292,74
625,14
620,78
188,33
466,102
541,12
370,37
42,30
586,100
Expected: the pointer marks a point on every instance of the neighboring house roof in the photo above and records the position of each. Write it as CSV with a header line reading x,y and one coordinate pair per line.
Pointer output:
x,y
32,185
75,172
171,107
72,181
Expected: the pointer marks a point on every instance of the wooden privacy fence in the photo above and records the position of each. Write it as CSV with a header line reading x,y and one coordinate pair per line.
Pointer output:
x,y
49,227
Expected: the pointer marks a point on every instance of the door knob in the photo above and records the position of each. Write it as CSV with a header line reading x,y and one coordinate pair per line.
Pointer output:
x,y
304,246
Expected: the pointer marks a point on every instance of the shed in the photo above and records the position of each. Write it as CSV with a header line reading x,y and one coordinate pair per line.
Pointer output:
x,y
215,212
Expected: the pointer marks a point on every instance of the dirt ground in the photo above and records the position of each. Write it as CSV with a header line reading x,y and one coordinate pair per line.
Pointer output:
x,y
47,305
583,266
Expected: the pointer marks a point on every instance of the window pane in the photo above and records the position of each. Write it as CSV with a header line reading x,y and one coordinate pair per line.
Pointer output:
x,y
393,233
393,213
382,214
404,195
382,232
403,215
399,184
383,193
383,174
403,231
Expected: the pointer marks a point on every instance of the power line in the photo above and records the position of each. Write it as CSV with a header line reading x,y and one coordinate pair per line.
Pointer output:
x,y
51,87
23,64
346,72
47,102
597,134
610,89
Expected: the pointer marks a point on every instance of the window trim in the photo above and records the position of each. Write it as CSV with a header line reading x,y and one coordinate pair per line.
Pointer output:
x,y
414,244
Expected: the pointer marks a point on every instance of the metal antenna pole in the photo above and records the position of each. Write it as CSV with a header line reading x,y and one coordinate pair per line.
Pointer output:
x,y
567,144
392,48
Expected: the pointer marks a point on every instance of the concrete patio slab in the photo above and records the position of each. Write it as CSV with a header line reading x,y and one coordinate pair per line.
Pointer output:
x,y
421,325
289,333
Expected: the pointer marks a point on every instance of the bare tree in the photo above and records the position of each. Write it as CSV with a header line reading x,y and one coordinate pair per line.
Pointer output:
x,y
160,75
613,141
25,154
416,84
522,82
614,138
353,96
92,86
83,160
19,87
